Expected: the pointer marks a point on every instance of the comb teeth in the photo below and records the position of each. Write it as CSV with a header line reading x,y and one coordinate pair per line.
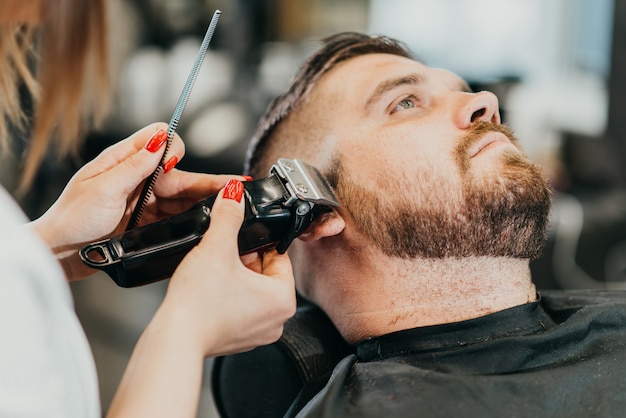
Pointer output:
x,y
146,191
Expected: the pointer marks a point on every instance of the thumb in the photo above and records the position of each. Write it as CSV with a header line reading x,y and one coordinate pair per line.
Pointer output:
x,y
140,164
227,215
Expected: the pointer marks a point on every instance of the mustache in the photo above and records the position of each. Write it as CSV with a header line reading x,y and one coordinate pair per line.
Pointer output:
x,y
474,134
478,129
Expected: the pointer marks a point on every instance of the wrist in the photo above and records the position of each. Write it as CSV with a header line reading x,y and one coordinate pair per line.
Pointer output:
x,y
189,327
66,255
172,324
42,229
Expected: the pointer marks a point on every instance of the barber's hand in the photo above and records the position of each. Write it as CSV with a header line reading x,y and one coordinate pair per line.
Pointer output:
x,y
98,200
214,305
227,302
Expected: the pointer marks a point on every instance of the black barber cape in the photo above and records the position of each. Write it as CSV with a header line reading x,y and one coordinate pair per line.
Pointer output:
x,y
563,356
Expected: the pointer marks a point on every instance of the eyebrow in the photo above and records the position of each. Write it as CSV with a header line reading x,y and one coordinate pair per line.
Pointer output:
x,y
410,80
388,85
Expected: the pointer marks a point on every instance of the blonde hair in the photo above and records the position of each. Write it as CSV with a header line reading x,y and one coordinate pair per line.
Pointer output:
x,y
62,63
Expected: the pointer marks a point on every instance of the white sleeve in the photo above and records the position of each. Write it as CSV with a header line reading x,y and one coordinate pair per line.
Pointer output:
x,y
46,367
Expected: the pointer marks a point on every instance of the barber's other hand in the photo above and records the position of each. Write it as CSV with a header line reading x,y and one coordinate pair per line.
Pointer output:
x,y
214,305
98,200
224,305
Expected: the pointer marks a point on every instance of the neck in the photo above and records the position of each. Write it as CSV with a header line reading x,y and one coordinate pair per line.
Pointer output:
x,y
376,298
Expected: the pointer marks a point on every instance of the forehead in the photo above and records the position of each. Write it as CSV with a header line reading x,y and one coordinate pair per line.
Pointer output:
x,y
362,75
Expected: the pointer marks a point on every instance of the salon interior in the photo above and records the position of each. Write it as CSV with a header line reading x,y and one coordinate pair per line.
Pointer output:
x,y
558,69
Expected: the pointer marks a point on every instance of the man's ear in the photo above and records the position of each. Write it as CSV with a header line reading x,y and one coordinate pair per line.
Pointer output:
x,y
326,225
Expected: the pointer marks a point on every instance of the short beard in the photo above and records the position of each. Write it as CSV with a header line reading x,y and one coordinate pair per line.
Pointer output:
x,y
505,216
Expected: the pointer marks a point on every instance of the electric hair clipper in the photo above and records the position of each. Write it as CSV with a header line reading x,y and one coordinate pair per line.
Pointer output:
x,y
278,208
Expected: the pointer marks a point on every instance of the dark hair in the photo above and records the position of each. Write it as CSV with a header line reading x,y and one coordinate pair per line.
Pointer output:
x,y
335,49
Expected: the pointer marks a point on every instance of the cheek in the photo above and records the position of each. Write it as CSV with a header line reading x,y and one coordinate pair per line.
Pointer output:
x,y
410,150
435,182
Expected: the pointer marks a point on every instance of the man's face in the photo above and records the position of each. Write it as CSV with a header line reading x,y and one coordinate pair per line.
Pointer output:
x,y
424,167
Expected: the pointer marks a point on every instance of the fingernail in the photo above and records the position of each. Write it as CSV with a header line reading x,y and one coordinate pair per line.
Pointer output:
x,y
156,141
171,163
233,190
248,178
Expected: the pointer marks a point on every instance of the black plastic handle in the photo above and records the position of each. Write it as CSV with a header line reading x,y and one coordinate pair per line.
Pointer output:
x,y
152,252
274,217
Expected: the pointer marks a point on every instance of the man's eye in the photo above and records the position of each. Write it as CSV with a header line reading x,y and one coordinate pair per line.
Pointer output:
x,y
407,103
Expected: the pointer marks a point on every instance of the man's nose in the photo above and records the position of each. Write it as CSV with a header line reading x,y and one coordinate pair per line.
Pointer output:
x,y
475,107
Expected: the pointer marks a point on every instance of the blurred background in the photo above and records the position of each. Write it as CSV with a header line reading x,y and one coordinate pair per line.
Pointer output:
x,y
557,67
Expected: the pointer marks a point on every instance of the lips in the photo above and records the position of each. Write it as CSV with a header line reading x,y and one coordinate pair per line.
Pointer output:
x,y
487,140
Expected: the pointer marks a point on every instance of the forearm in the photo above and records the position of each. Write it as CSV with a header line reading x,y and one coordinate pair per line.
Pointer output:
x,y
164,375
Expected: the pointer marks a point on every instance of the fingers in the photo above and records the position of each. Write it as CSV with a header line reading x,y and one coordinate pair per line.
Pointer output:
x,y
184,184
277,265
226,306
253,261
226,217
136,157
141,164
139,141
140,152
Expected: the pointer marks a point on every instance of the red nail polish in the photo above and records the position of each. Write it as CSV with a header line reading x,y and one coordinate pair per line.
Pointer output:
x,y
171,163
233,190
156,141
248,178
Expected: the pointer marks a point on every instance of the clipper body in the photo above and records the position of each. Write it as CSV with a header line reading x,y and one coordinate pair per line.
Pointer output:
x,y
278,209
